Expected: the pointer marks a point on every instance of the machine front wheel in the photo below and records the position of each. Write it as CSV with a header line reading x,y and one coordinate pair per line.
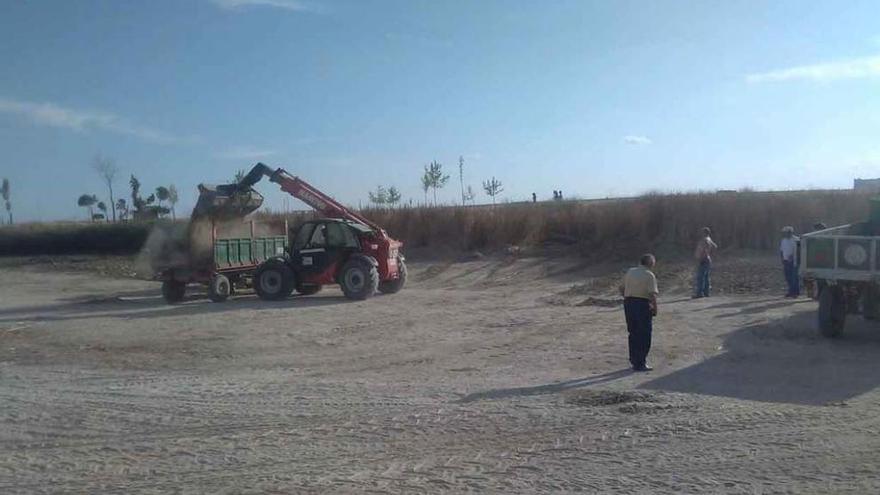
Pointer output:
x,y
832,312
273,280
359,279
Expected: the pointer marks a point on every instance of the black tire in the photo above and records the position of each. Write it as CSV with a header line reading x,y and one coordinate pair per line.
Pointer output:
x,y
173,291
832,312
869,302
308,290
359,279
394,286
274,280
219,288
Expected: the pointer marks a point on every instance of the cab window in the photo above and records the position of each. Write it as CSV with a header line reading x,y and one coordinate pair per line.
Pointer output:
x,y
319,236
340,236
302,236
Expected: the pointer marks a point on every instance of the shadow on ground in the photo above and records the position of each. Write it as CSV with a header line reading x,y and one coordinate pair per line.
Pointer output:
x,y
786,361
551,388
150,304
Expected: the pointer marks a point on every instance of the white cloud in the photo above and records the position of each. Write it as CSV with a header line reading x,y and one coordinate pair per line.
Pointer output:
x,y
52,115
637,140
855,68
294,5
244,153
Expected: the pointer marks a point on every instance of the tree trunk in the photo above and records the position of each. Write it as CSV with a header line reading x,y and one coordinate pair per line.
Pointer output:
x,y
435,196
112,202
173,215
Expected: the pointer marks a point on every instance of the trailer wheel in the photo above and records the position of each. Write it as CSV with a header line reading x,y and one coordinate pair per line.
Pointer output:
x,y
273,280
832,312
219,288
359,280
394,286
308,290
173,291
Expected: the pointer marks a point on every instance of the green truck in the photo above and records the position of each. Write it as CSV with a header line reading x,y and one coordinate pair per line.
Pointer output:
x,y
842,264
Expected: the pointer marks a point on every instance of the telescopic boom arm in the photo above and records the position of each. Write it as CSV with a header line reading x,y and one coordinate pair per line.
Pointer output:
x,y
305,192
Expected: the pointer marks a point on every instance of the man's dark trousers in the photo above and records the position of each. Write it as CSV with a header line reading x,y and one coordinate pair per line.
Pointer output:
x,y
639,324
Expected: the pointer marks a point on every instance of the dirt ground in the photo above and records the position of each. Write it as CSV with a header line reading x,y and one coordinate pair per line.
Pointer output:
x,y
490,375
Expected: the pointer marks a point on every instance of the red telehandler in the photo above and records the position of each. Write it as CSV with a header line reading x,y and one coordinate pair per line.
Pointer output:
x,y
342,248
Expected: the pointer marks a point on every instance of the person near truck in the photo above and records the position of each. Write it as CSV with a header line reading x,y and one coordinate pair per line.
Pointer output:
x,y
703,254
788,253
640,307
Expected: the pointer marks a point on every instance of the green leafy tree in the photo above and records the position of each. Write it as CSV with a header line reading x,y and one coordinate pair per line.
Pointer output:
x,y
5,192
122,209
393,196
162,195
102,207
435,178
173,198
380,197
426,185
493,188
88,201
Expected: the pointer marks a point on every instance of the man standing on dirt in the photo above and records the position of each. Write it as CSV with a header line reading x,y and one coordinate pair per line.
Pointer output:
x,y
788,253
640,306
703,255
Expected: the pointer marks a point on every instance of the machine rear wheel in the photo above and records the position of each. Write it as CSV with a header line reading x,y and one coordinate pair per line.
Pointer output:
x,y
394,286
219,288
173,291
359,279
273,280
832,312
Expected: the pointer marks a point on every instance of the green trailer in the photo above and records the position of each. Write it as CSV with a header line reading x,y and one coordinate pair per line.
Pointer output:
x,y
225,264
841,265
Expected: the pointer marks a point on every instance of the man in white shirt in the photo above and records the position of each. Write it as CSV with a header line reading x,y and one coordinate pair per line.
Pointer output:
x,y
788,253
703,254
640,306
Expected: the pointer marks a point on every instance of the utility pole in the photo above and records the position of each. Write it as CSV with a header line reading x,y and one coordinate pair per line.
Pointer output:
x,y
461,177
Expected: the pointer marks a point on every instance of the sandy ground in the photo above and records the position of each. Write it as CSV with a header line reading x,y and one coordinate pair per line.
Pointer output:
x,y
502,376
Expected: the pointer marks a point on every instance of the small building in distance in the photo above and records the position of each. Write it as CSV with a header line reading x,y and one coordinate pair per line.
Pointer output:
x,y
867,185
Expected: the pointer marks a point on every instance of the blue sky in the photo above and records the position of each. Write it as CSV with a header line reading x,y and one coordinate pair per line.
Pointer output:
x,y
598,98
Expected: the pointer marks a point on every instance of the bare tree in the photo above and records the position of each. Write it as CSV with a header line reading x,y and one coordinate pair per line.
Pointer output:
x,y
239,175
470,195
107,169
461,178
493,188
173,198
5,192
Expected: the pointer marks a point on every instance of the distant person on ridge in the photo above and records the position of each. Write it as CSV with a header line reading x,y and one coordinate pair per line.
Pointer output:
x,y
788,254
640,307
534,198
703,254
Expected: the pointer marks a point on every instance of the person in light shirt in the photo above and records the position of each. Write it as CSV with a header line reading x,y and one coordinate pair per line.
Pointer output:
x,y
640,307
703,254
788,254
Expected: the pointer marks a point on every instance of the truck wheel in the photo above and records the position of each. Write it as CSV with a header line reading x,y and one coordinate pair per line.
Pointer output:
x,y
219,288
359,279
394,286
832,312
273,280
173,291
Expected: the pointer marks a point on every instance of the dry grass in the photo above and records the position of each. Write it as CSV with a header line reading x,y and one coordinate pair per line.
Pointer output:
x,y
621,228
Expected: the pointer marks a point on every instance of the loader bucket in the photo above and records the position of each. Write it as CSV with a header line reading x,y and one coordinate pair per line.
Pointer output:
x,y
226,201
